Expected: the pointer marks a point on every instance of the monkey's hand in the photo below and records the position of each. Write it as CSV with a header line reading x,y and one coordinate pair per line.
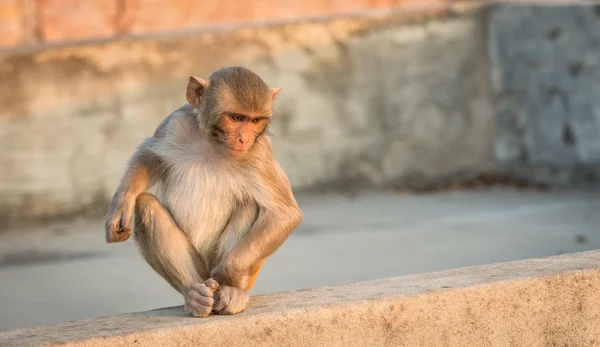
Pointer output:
x,y
200,299
230,300
117,223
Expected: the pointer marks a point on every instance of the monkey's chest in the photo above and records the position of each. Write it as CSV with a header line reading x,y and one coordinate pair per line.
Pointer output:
x,y
200,201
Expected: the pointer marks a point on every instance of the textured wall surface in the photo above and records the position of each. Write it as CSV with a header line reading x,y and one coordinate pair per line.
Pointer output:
x,y
398,99
546,74
39,22
391,100
535,303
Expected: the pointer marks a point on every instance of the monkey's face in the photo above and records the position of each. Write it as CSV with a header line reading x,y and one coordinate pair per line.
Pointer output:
x,y
238,132
235,107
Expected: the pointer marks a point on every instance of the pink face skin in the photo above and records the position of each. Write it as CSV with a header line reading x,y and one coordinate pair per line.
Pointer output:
x,y
240,132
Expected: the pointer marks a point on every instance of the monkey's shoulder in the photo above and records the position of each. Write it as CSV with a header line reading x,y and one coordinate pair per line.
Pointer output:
x,y
181,119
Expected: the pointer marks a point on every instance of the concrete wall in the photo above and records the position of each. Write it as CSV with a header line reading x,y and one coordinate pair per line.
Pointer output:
x,y
538,302
545,68
388,99
367,101
42,22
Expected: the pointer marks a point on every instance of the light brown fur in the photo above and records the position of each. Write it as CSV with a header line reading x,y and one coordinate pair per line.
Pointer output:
x,y
223,206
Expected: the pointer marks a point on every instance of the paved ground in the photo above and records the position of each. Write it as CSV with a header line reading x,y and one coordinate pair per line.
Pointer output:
x,y
66,272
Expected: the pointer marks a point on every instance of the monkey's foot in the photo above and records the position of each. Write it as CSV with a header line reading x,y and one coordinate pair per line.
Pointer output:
x,y
230,300
200,299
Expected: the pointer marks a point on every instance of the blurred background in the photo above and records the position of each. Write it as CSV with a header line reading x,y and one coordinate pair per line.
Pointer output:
x,y
418,135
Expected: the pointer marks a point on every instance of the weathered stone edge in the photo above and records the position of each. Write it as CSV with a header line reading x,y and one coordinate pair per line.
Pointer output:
x,y
355,314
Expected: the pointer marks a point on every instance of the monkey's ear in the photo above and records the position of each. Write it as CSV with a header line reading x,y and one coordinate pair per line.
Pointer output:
x,y
195,88
275,92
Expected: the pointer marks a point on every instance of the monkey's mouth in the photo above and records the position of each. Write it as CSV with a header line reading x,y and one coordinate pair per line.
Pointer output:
x,y
234,152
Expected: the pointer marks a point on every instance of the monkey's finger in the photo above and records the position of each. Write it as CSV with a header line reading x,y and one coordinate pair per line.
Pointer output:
x,y
118,236
111,235
111,225
124,232
123,225
212,284
124,236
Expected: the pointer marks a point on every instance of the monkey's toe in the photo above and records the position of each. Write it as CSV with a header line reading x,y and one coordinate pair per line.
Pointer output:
x,y
230,300
212,284
198,305
203,289
197,310
199,300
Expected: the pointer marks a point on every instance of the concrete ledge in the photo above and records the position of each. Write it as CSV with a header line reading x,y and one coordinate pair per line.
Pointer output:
x,y
538,302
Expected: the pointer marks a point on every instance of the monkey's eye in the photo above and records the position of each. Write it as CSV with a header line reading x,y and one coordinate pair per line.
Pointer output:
x,y
255,120
236,117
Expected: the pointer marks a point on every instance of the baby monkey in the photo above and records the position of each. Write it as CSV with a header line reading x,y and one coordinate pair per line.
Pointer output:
x,y
223,204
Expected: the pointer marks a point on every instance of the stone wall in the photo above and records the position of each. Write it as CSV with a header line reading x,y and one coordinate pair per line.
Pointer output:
x,y
546,73
366,101
35,22
387,99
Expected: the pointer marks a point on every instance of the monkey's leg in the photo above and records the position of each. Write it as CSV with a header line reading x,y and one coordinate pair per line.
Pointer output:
x,y
233,298
254,274
168,251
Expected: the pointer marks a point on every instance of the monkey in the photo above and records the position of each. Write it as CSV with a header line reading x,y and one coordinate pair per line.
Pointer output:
x,y
222,205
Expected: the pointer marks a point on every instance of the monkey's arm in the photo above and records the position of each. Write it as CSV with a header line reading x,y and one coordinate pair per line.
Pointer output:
x,y
141,174
278,216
